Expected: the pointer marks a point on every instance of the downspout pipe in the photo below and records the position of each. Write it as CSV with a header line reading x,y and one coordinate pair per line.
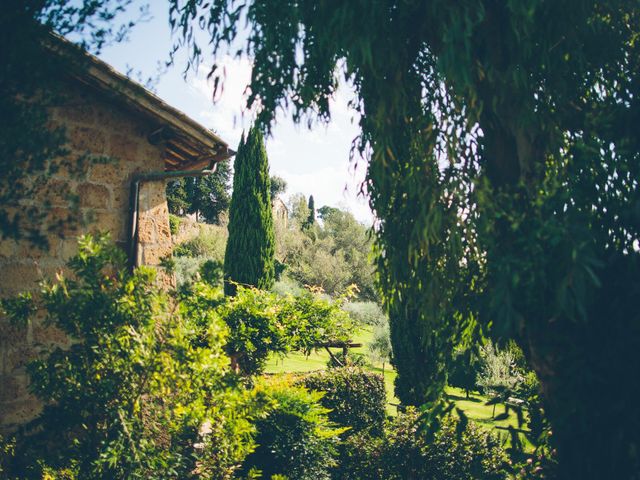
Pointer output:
x,y
134,201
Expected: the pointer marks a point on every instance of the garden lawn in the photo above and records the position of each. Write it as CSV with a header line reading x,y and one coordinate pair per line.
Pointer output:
x,y
474,407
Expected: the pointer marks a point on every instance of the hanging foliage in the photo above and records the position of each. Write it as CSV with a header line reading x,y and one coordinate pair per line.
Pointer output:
x,y
503,170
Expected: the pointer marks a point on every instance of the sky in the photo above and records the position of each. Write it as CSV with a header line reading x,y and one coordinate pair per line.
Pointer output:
x,y
314,162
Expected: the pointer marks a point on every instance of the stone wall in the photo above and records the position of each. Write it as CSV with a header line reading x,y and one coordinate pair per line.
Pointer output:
x,y
98,198
280,212
154,231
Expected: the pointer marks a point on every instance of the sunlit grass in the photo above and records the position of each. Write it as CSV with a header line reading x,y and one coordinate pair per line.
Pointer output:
x,y
475,407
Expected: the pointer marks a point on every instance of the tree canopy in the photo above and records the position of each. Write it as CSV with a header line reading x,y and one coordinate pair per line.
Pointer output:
x,y
503,167
208,197
278,186
331,255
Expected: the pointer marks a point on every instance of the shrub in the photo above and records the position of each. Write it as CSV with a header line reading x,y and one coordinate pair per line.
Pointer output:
x,y
287,286
142,375
360,458
7,452
186,269
253,317
192,269
367,313
499,375
295,439
262,323
209,243
355,398
174,223
211,272
458,451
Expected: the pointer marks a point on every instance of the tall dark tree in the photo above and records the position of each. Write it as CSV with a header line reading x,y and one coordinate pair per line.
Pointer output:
x,y
504,173
207,197
311,219
249,258
464,369
177,198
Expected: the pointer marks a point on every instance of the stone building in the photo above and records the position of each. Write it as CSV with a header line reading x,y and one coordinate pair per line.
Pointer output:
x,y
141,142
280,212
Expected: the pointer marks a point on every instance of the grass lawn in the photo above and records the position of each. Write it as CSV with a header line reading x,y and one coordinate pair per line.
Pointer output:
x,y
474,408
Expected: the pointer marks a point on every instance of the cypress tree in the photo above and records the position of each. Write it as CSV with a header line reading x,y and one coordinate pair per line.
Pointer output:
x,y
311,219
249,257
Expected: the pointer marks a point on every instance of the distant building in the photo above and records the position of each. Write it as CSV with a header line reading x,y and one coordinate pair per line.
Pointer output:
x,y
280,212
105,114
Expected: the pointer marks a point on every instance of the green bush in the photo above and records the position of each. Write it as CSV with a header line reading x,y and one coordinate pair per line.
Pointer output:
x,y
209,243
295,439
190,256
457,451
186,269
211,272
367,313
253,317
361,458
262,323
355,398
174,223
287,286
141,377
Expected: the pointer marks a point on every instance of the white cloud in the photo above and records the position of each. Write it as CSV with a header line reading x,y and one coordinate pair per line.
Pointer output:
x,y
226,114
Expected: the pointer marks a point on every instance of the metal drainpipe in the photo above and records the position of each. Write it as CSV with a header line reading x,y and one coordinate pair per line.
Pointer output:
x,y
134,201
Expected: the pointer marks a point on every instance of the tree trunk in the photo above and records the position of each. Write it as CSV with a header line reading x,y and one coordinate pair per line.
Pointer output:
x,y
589,377
588,368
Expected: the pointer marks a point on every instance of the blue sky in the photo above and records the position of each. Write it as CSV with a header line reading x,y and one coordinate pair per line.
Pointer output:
x,y
312,161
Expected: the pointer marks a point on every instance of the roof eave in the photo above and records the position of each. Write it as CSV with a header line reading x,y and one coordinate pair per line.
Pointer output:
x,y
204,146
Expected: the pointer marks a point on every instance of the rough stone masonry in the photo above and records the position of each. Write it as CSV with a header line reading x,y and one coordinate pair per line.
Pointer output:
x,y
110,125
